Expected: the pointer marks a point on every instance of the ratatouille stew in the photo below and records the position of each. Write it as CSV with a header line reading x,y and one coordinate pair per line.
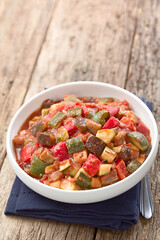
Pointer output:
x,y
82,143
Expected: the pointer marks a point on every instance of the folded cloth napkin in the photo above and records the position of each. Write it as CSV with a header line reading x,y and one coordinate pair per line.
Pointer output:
x,y
116,213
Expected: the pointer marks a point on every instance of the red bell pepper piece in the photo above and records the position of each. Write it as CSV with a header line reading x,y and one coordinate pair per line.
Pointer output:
x,y
113,109
121,169
27,152
111,123
91,166
60,151
143,129
70,126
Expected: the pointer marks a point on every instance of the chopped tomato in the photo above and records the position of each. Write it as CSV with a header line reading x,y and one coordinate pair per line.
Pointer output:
x,y
113,109
60,151
37,144
125,102
70,126
126,123
27,152
121,169
131,116
111,123
85,111
142,128
91,166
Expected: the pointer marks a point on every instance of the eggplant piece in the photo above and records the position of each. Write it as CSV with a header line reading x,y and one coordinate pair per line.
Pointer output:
x,y
45,139
81,124
139,140
93,126
38,127
92,112
89,100
125,154
105,100
47,103
95,145
109,178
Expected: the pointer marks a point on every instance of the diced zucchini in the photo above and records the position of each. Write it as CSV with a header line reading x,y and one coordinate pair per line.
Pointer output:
x,y
109,178
62,134
65,164
57,175
105,100
81,156
96,182
44,111
101,116
74,145
71,98
68,184
117,149
93,126
56,184
133,166
104,169
46,156
108,154
75,112
72,170
56,121
82,178
37,167
95,145
81,124
106,135
92,112
139,140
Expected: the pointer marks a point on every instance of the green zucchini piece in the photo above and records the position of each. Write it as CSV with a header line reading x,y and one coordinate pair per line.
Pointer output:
x,y
64,165
81,124
56,121
38,127
75,112
139,140
72,170
105,100
101,116
37,167
108,154
71,99
44,112
92,112
104,169
82,178
74,145
133,166
47,157
106,135
62,134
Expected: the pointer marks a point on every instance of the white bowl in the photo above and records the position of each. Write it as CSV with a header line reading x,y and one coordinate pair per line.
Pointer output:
x,y
82,89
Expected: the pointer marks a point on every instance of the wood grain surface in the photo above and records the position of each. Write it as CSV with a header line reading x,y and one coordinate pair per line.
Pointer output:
x,y
48,42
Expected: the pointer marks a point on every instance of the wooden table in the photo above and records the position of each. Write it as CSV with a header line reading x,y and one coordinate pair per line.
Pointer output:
x,y
47,42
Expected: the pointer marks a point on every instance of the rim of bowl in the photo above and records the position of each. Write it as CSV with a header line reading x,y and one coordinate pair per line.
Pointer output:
x,y
80,192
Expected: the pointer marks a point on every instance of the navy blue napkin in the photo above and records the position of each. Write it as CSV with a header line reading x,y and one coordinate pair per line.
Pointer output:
x,y
116,213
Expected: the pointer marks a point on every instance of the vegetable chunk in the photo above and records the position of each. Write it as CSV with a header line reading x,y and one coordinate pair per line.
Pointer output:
x,y
95,145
